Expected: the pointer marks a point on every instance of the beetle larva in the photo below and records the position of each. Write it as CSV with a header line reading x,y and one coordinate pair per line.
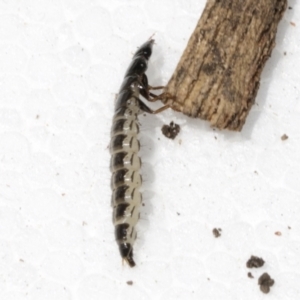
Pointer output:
x,y
125,162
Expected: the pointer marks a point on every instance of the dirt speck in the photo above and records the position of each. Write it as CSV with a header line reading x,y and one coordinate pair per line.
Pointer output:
x,y
250,275
255,262
265,282
284,137
170,131
217,232
278,233
129,282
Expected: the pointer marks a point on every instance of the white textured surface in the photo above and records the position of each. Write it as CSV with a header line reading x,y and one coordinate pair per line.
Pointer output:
x,y
61,63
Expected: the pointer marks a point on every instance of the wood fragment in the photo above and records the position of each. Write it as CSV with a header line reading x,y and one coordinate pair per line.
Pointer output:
x,y
217,77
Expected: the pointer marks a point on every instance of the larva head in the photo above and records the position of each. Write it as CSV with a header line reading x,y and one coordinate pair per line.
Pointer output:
x,y
145,50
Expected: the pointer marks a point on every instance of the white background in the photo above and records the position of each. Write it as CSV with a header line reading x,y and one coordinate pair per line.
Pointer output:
x,y
61,64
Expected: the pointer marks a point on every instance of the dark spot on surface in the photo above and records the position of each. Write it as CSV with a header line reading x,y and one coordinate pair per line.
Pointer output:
x,y
250,275
170,131
278,233
120,210
284,137
117,160
129,282
181,72
255,262
117,142
119,194
265,282
216,232
118,177
209,69
121,232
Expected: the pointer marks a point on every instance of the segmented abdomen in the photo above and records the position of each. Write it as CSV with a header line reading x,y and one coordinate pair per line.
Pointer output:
x,y
126,179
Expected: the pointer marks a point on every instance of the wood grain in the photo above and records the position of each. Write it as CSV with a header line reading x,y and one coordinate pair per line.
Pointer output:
x,y
217,77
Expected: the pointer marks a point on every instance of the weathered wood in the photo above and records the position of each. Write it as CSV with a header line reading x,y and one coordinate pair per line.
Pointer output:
x,y
217,77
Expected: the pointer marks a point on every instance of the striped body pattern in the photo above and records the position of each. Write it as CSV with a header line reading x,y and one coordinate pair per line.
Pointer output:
x,y
125,163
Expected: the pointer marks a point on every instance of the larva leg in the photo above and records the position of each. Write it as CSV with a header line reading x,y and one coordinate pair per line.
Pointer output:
x,y
145,90
154,97
147,109
155,87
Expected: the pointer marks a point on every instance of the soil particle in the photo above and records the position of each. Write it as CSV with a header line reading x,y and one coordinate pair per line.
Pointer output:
x,y
255,262
170,131
265,282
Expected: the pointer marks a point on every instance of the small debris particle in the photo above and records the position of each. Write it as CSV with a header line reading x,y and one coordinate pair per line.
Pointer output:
x,y
84,223
284,137
37,117
170,131
265,282
278,233
143,204
129,282
63,194
284,53
290,7
289,227
255,262
21,260
178,214
216,232
250,275
180,141
293,24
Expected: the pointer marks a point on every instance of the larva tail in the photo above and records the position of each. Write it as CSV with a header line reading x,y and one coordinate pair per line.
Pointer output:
x,y
126,252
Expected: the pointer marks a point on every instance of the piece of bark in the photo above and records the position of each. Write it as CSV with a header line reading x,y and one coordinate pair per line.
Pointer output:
x,y
217,77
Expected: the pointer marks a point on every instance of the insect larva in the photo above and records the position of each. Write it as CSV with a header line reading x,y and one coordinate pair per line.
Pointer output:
x,y
125,163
